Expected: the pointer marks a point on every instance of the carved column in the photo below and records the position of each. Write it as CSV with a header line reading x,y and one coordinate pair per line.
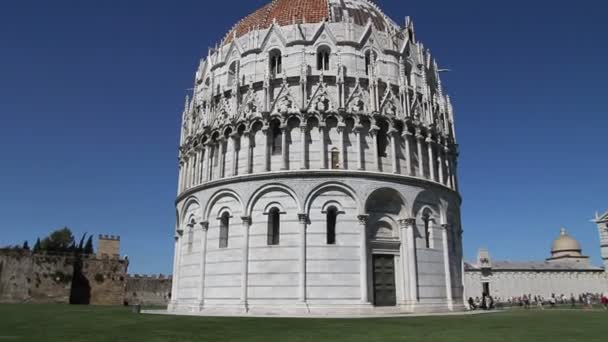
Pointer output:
x,y
429,145
323,146
363,257
341,130
419,138
441,162
303,218
201,292
411,256
249,163
285,149
222,165
180,178
373,132
303,159
408,152
186,172
394,134
236,142
212,151
446,263
201,163
245,265
359,147
266,149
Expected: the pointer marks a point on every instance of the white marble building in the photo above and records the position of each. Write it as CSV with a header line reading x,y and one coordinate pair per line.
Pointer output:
x,y
318,169
567,271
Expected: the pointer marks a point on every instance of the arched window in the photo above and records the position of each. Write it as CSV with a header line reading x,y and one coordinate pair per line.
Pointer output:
x,y
323,58
232,74
191,235
274,226
224,229
276,143
276,64
426,218
335,158
331,218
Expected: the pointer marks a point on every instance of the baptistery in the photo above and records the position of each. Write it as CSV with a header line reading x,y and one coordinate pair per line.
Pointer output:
x,y
317,169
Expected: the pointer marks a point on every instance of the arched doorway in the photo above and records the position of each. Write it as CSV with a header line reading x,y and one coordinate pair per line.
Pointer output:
x,y
385,207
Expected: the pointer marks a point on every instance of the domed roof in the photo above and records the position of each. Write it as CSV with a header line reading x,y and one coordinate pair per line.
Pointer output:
x,y
286,12
565,243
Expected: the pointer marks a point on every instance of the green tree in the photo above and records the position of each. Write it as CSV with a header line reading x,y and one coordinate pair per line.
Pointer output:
x,y
58,241
88,248
26,245
37,246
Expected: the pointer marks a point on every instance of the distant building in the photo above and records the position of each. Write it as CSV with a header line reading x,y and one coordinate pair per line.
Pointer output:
x,y
318,169
567,271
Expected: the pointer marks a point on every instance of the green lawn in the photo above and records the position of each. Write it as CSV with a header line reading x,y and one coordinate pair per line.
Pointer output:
x,y
87,323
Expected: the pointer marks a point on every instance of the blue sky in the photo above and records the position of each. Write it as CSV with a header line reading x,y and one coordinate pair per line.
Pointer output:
x,y
91,93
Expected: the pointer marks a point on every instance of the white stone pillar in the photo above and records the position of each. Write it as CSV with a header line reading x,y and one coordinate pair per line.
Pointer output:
x,y
235,153
201,163
429,145
187,173
374,134
420,159
441,163
411,256
303,218
446,263
180,177
363,258
249,138
359,147
323,146
449,168
245,265
408,152
303,159
203,257
341,130
222,170
393,133
176,267
207,162
212,151
405,267
285,149
266,149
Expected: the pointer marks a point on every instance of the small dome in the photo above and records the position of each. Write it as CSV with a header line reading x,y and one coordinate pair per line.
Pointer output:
x,y
565,244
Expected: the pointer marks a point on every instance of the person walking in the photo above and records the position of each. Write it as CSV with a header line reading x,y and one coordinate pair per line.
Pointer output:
x,y
604,301
572,301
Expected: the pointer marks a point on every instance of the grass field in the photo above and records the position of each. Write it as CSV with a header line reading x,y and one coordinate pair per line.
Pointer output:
x,y
88,323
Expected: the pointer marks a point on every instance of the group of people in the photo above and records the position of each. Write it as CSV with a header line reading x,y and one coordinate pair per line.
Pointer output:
x,y
586,300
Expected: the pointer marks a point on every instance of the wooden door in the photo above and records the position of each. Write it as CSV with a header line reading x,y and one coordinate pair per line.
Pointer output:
x,y
384,280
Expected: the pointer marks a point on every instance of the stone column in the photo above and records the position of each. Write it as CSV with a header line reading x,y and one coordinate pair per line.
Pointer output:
x,y
303,218
303,159
393,133
201,163
323,146
411,256
245,265
446,262
419,138
249,139
212,151
222,165
429,145
405,267
176,267
266,149
285,149
359,147
235,153
201,288
408,152
207,162
363,258
341,130
180,178
441,163
374,134
187,172
449,168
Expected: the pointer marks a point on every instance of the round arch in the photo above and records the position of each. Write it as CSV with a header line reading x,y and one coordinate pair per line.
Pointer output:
x,y
216,196
328,186
187,203
269,187
391,199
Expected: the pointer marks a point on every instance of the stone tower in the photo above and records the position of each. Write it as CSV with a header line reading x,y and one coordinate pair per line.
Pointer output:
x,y
602,227
318,169
108,245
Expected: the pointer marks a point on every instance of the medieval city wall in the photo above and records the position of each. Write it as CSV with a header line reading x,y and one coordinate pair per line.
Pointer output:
x,y
48,278
148,290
